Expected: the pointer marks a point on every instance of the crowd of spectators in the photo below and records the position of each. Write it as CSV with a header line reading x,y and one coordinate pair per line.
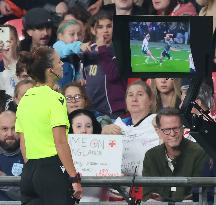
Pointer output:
x,y
98,98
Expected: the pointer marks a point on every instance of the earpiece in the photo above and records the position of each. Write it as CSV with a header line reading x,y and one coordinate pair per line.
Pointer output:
x,y
52,71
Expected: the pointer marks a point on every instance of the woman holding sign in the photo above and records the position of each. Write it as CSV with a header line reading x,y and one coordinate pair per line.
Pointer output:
x,y
84,122
139,133
139,101
49,176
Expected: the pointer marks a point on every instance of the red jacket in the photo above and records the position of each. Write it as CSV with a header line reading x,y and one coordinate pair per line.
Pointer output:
x,y
186,9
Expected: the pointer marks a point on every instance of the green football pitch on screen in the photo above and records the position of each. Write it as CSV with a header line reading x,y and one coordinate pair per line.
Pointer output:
x,y
179,61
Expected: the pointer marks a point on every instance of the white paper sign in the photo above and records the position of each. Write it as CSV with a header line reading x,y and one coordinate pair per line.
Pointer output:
x,y
97,155
136,142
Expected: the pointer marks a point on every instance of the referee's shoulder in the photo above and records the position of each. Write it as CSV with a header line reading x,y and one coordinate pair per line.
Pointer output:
x,y
57,96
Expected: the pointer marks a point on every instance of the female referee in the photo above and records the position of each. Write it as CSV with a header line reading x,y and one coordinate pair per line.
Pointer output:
x,y
49,176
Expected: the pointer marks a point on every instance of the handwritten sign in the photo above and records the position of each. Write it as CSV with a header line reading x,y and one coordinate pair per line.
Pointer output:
x,y
136,142
97,155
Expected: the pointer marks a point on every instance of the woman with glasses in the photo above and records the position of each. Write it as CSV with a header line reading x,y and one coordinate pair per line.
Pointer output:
x,y
167,93
76,98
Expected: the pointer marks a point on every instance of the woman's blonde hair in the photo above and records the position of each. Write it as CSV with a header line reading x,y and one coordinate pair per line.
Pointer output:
x,y
157,103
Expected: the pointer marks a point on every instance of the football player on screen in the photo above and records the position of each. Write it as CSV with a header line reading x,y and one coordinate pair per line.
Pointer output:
x,y
168,45
146,50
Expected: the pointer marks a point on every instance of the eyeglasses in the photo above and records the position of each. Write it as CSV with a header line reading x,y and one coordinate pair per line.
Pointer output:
x,y
75,98
167,131
170,78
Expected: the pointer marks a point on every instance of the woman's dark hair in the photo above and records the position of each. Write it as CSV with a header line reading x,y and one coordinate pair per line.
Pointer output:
x,y
25,60
102,14
96,125
78,14
42,59
94,20
168,10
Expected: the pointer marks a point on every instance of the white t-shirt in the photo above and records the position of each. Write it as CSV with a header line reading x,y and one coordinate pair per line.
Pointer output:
x,y
8,81
136,142
145,45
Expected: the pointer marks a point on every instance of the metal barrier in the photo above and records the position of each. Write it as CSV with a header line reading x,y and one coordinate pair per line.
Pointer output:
x,y
118,182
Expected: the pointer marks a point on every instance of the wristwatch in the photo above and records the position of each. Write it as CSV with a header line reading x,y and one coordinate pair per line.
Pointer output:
x,y
75,179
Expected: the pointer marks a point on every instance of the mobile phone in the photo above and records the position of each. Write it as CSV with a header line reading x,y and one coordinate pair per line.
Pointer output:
x,y
4,37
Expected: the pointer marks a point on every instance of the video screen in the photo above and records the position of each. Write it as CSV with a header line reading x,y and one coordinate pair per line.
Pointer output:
x,y
161,47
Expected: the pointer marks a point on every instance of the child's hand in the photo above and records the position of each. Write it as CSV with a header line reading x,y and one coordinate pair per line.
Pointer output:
x,y
82,82
103,41
85,47
5,46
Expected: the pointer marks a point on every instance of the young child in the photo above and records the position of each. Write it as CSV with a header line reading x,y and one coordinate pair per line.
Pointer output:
x,y
69,43
104,85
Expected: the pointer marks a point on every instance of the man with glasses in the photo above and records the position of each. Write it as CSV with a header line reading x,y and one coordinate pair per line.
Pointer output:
x,y
177,156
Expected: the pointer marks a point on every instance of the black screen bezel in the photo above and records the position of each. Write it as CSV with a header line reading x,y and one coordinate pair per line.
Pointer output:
x,y
200,42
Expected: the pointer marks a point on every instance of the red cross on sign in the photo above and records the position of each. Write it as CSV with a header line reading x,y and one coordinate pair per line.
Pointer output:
x,y
112,143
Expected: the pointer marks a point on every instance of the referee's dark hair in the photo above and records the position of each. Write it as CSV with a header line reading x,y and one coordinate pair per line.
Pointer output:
x,y
42,59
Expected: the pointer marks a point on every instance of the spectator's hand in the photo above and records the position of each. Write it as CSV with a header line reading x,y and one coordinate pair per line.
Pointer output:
x,y
78,191
5,9
2,173
82,82
155,197
111,129
8,46
103,40
1,45
94,8
85,47
5,46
